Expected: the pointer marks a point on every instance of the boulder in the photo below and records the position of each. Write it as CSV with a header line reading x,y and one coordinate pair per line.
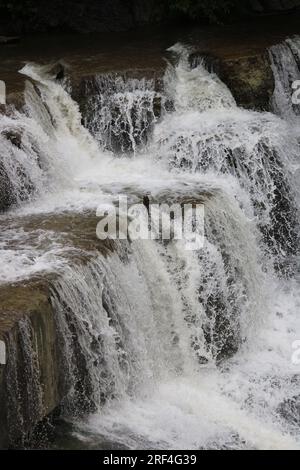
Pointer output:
x,y
249,77
250,80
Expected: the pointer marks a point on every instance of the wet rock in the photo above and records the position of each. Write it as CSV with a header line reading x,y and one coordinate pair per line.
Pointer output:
x,y
33,382
209,61
6,195
290,410
15,100
55,71
250,80
29,388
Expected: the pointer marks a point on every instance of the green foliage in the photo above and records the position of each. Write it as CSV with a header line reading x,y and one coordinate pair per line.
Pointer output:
x,y
19,9
215,11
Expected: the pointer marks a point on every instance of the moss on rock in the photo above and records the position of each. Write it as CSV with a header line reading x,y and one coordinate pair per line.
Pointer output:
x,y
250,80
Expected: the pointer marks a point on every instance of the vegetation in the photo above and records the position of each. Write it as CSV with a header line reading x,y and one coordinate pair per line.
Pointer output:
x,y
42,15
213,10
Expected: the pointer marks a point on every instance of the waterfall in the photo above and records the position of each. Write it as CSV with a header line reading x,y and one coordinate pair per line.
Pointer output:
x,y
21,174
42,148
121,112
217,137
162,347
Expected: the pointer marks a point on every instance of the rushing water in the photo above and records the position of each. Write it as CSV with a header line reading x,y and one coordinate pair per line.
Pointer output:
x,y
165,347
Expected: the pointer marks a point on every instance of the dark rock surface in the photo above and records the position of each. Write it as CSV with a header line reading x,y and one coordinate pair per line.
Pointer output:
x,y
289,409
6,197
250,80
28,385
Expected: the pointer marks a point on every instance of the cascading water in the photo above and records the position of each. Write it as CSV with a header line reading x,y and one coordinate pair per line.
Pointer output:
x,y
20,172
217,137
164,347
121,112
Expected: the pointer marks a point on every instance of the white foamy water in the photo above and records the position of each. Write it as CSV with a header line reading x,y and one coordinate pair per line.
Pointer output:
x,y
120,112
174,349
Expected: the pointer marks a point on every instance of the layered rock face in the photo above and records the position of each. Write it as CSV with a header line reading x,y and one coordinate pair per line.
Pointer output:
x,y
29,385
32,378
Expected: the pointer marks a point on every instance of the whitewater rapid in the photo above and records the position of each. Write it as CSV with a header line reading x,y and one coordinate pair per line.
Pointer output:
x,y
189,350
